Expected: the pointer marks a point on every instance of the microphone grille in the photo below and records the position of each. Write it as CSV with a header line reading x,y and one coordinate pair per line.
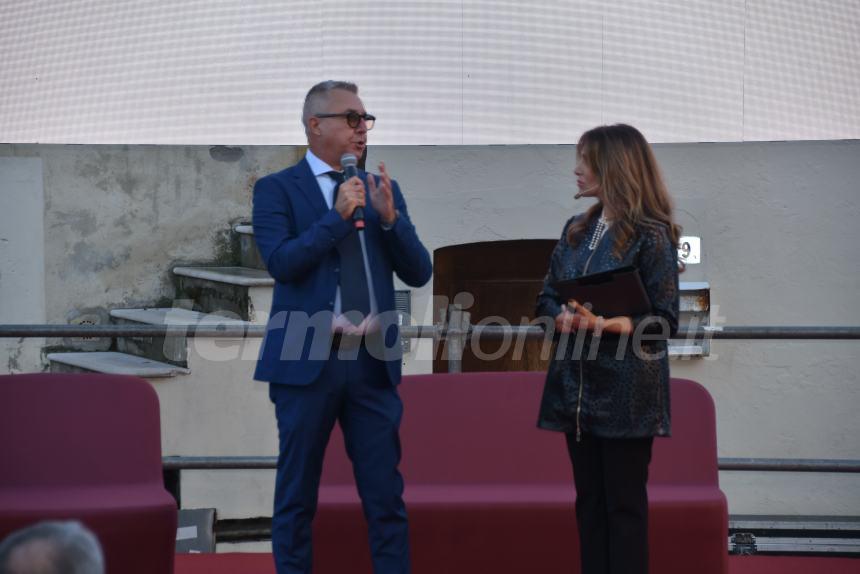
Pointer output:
x,y
348,160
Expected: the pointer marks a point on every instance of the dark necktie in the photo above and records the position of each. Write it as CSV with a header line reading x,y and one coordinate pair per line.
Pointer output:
x,y
354,295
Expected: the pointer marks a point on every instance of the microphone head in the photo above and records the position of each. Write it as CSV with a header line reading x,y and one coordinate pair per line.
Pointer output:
x,y
349,163
348,160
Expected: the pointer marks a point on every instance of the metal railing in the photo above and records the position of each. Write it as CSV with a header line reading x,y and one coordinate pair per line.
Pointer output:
x,y
228,331
727,464
456,333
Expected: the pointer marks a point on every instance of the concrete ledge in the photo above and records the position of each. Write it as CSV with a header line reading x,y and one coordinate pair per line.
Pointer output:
x,y
173,316
117,364
172,348
241,276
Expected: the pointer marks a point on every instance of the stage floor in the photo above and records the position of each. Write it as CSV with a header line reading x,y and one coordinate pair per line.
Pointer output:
x,y
261,563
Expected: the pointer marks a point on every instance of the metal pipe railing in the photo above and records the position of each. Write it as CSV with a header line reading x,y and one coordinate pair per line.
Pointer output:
x,y
228,331
790,464
726,464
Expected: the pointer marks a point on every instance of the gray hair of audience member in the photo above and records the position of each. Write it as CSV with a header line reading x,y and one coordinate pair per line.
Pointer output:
x,y
52,548
315,101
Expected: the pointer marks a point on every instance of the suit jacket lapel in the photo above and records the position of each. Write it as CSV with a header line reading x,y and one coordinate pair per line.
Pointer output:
x,y
307,183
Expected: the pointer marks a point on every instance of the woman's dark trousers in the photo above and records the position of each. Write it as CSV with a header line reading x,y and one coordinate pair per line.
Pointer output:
x,y
611,503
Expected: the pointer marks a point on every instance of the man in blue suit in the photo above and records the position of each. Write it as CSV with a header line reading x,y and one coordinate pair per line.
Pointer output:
x,y
332,347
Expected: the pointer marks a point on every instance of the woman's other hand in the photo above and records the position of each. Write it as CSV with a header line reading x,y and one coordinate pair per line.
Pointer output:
x,y
570,319
583,318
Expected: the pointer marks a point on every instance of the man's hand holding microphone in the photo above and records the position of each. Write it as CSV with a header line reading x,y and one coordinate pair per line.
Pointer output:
x,y
351,195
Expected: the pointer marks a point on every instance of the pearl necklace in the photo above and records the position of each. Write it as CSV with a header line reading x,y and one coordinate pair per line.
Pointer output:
x,y
599,230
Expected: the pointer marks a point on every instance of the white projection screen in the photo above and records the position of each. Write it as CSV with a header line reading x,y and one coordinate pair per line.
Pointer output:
x,y
447,72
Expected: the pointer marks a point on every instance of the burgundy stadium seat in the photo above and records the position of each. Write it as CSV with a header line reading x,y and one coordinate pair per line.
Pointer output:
x,y
487,491
88,447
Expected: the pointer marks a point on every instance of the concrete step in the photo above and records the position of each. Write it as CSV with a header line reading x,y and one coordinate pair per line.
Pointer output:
x,y
172,349
249,255
113,363
239,292
173,316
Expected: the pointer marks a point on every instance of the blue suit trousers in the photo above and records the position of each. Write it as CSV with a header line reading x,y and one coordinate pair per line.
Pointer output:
x,y
355,390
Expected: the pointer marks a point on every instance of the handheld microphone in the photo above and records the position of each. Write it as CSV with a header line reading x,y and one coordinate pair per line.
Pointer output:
x,y
349,163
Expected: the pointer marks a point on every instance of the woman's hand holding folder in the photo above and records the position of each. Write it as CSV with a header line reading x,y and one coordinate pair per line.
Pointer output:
x,y
575,317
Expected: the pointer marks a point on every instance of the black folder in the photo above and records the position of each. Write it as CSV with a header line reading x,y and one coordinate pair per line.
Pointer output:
x,y
611,293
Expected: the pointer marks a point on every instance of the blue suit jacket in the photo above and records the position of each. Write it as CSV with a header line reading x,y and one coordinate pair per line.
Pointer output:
x,y
297,235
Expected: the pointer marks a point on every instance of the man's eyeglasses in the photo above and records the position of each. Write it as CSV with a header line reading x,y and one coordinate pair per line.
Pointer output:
x,y
353,118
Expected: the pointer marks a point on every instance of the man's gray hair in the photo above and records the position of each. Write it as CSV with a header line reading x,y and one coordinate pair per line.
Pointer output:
x,y
62,548
317,97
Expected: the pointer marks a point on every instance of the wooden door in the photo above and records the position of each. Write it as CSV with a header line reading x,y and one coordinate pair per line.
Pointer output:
x,y
498,283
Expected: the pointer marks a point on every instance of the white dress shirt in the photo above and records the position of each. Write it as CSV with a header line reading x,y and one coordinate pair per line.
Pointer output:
x,y
326,184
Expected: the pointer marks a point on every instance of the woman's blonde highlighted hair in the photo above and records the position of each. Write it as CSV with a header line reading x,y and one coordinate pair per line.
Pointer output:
x,y
633,187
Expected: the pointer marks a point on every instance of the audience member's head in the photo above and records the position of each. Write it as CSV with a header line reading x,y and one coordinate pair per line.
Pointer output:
x,y
51,548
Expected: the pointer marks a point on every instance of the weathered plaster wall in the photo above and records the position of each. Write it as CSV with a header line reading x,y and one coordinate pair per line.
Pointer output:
x,y
22,258
117,217
777,220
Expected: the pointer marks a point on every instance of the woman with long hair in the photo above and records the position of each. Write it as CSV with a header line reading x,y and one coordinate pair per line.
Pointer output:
x,y
607,387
